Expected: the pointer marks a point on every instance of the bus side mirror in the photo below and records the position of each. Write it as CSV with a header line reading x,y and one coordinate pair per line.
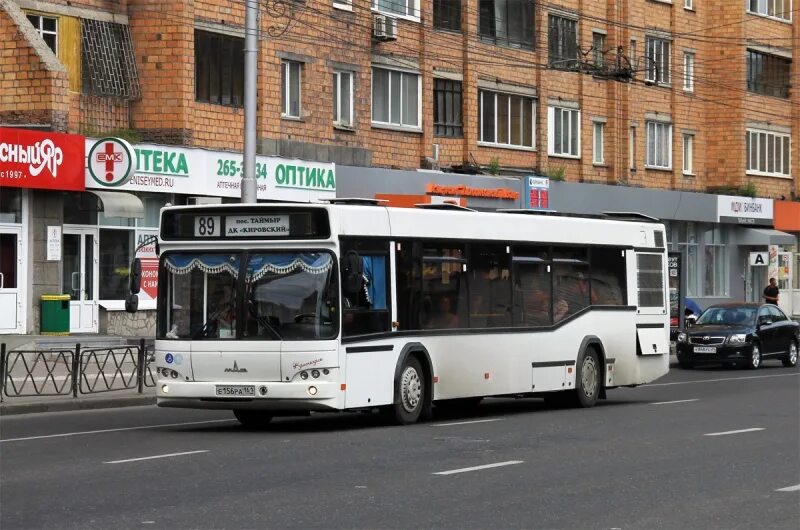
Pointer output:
x,y
132,303
135,278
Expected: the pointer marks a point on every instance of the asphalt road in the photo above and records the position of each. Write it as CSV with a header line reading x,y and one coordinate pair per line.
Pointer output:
x,y
706,448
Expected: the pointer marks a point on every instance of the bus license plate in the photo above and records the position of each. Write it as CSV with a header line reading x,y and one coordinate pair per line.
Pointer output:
x,y
236,390
705,349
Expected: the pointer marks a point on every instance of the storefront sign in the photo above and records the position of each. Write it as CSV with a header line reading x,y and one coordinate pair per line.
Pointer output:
x,y
189,171
467,191
758,259
41,160
111,162
537,193
53,243
744,210
772,270
147,254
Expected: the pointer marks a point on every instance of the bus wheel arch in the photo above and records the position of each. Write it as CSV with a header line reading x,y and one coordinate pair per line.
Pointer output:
x,y
414,358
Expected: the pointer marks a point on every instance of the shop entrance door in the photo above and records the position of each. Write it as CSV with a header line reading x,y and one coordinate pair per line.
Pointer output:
x,y
80,278
11,254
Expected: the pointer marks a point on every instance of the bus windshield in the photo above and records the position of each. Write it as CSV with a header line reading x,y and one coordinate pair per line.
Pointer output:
x,y
287,296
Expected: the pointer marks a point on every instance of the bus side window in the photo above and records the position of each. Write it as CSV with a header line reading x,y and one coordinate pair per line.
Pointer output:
x,y
444,293
607,276
570,282
367,310
489,287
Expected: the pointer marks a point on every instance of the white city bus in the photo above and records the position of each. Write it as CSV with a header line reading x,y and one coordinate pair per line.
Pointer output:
x,y
283,309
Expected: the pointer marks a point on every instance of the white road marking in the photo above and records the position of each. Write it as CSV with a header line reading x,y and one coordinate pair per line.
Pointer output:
x,y
671,402
722,379
790,488
114,430
464,422
734,432
156,456
478,468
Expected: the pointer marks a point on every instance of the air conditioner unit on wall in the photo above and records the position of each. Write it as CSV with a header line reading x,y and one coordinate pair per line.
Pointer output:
x,y
385,28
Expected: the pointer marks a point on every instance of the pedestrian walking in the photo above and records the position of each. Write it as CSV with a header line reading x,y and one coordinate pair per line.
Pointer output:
x,y
771,292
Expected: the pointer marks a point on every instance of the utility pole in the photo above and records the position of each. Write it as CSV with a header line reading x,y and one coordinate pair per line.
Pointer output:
x,y
249,189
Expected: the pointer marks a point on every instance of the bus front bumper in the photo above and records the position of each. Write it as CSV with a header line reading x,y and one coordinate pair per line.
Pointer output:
x,y
278,396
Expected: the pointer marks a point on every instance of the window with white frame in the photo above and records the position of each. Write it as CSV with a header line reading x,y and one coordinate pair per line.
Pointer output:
x,y
395,98
780,9
715,257
343,4
659,145
291,72
683,237
688,4
688,71
658,60
507,119
688,154
768,153
769,75
598,156
632,148
343,98
47,27
403,8
598,49
563,132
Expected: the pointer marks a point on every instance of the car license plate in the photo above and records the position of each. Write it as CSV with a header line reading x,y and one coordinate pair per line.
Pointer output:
x,y
236,390
705,349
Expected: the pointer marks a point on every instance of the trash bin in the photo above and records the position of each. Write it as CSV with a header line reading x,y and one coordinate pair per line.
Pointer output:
x,y
55,314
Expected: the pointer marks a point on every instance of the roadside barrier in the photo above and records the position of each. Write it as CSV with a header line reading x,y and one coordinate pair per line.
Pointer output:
x,y
61,372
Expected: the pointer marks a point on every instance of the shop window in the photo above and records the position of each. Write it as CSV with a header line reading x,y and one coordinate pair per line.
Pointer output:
x,y
219,68
532,287
116,252
79,209
715,278
10,205
489,287
444,293
570,282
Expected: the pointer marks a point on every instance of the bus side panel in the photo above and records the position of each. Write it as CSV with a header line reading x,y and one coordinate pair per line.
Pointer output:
x,y
370,377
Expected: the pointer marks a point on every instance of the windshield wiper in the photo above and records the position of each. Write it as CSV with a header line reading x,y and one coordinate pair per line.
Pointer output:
x,y
264,322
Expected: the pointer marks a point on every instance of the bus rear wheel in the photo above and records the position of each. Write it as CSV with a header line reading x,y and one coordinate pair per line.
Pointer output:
x,y
588,381
252,419
409,392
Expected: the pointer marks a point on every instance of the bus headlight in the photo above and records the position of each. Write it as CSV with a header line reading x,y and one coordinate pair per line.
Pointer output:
x,y
315,373
681,337
739,338
303,375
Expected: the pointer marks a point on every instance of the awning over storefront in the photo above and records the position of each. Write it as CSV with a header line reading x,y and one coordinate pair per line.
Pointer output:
x,y
120,204
765,236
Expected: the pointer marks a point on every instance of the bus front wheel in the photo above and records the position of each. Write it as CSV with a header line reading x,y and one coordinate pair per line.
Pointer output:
x,y
409,392
252,419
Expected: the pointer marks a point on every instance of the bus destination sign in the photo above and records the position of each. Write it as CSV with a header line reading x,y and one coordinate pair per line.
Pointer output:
x,y
256,225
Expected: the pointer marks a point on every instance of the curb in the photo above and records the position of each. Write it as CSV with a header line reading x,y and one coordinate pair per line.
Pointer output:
x,y
10,409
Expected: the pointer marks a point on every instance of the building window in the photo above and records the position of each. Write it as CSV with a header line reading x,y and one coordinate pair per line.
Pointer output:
x,y
506,119
507,22
768,153
632,56
598,157
659,145
658,60
688,154
780,9
343,98
563,132
447,119
768,74
447,14
598,49
219,69
688,71
291,75
395,98
403,8
47,28
715,280
347,5
632,148
688,4
562,43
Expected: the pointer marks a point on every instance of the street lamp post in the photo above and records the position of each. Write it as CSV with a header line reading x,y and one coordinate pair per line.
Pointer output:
x,y
249,189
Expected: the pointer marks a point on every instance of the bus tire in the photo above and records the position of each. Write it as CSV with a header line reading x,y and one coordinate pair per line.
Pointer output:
x,y
410,392
588,379
252,419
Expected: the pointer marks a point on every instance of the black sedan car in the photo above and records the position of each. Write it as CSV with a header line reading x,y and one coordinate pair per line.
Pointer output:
x,y
739,334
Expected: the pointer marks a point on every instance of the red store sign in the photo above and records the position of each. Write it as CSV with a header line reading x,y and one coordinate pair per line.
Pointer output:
x,y
42,160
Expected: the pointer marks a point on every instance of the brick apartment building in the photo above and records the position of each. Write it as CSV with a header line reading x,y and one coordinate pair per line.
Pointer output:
x,y
645,102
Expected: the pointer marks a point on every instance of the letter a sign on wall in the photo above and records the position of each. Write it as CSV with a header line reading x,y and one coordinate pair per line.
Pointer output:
x,y
112,162
759,259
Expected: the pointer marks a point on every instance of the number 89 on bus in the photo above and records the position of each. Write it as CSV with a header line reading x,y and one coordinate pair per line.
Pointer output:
x,y
206,225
